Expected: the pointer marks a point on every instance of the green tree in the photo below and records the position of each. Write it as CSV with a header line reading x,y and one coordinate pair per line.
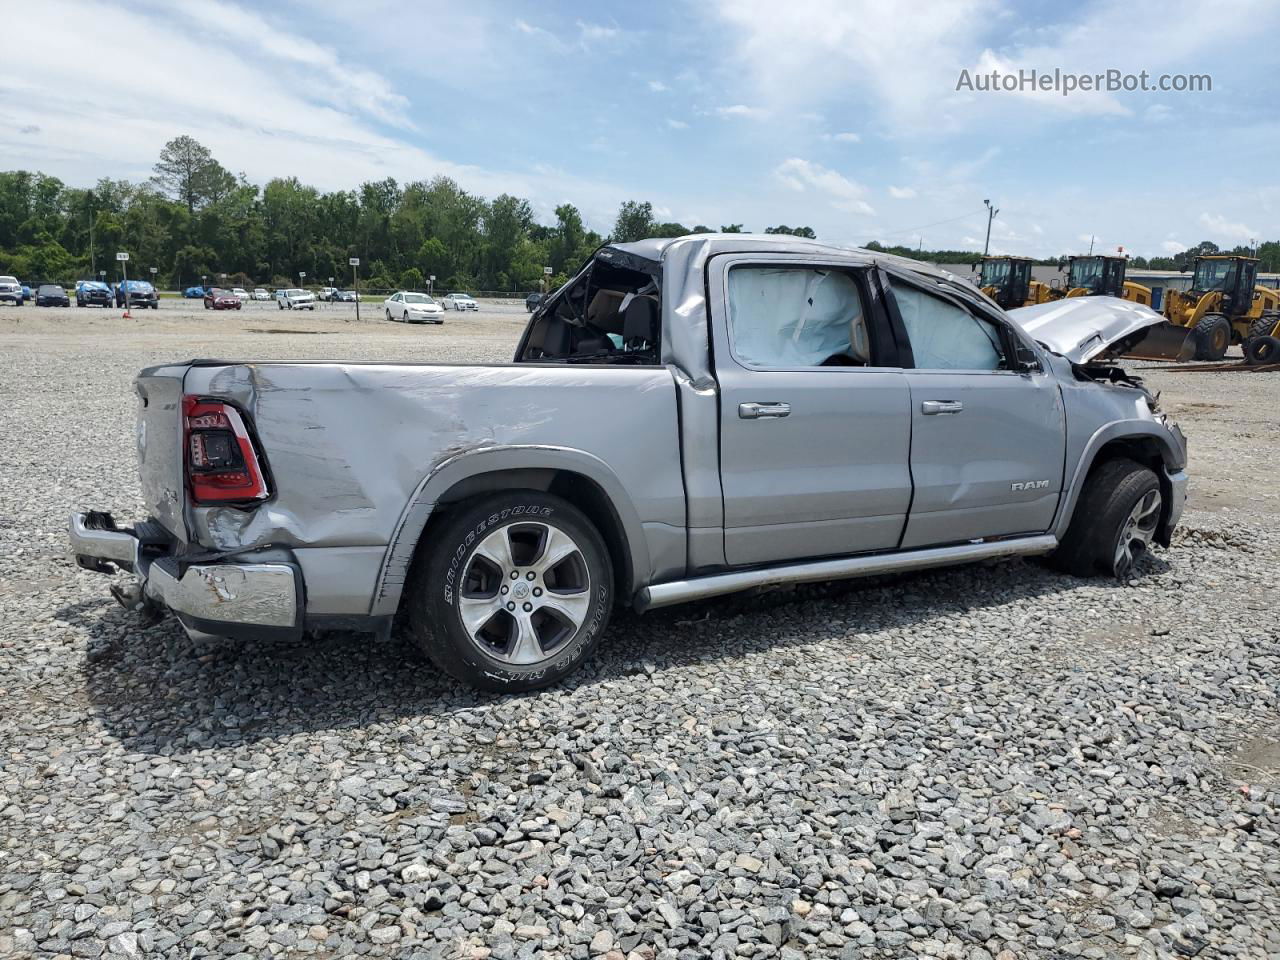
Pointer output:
x,y
412,279
187,172
793,231
635,220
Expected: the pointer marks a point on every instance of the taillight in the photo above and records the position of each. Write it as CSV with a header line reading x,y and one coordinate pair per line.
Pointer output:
x,y
222,465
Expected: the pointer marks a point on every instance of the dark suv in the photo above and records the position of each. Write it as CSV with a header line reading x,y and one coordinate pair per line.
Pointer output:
x,y
140,294
92,293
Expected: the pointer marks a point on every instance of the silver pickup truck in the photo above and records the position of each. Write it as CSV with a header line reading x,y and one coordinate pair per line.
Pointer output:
x,y
684,418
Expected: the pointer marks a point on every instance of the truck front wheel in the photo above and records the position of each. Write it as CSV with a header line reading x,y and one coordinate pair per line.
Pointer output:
x,y
514,593
1114,522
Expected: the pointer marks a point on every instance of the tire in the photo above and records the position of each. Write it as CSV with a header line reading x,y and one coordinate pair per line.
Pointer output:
x,y
279,304
1260,350
1212,337
1264,325
1115,520
556,614
388,316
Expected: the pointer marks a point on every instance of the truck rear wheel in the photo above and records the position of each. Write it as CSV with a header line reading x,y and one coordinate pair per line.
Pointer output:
x,y
514,593
1212,337
1114,522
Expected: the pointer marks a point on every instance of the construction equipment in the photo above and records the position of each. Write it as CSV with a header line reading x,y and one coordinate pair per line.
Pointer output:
x,y
1007,281
1103,276
1222,307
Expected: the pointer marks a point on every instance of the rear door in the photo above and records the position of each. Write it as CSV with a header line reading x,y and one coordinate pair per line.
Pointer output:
x,y
814,432
988,439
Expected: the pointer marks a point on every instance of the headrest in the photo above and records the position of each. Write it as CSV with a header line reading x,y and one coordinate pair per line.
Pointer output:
x,y
640,321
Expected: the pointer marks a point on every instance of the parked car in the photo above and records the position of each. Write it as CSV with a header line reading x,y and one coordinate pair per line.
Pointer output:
x,y
328,294
240,293
137,293
295,299
346,296
684,418
459,301
413,308
218,299
51,295
532,302
194,293
11,291
260,294
93,293
26,292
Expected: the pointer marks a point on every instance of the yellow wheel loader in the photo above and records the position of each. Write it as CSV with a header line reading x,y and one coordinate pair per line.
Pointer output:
x,y
1101,276
1007,281
1222,307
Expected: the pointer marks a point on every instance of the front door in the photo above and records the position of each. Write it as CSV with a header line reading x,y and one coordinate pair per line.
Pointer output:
x,y
814,434
987,441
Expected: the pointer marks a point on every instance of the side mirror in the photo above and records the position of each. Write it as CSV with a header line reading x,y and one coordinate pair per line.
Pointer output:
x,y
1025,359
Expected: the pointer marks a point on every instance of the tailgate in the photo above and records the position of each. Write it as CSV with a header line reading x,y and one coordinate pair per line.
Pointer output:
x,y
160,449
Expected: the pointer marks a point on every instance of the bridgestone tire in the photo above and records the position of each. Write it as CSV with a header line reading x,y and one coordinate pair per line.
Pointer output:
x,y
444,577
1260,350
1212,337
1110,494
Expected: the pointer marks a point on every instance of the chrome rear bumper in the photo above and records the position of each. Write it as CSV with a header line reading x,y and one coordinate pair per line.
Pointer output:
x,y
227,599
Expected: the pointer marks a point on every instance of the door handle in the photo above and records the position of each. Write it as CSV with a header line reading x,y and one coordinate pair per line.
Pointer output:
x,y
931,408
763,411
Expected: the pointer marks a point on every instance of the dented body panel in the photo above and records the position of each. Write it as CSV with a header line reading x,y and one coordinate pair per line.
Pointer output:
x,y
362,456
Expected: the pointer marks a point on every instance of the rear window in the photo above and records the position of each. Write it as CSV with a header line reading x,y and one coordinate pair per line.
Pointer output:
x,y
50,288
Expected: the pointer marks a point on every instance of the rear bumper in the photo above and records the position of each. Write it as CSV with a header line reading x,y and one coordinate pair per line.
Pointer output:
x,y
247,600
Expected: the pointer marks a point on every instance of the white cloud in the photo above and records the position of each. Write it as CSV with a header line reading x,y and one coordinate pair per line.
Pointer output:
x,y
675,124
1157,113
1172,246
802,175
902,193
742,110
307,113
842,137
595,32
657,86
1224,229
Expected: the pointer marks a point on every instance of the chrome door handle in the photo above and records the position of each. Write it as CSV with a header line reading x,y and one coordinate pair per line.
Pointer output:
x,y
763,411
931,408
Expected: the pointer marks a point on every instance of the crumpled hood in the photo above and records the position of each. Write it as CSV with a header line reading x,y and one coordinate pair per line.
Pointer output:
x,y
1081,328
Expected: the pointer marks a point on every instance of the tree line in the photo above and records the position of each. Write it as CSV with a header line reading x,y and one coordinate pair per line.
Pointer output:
x,y
194,218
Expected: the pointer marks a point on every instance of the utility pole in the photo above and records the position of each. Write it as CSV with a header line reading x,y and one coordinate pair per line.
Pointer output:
x,y
93,259
1091,239
991,215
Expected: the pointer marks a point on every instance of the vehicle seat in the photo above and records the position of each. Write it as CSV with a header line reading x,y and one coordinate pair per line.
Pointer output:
x,y
556,339
640,324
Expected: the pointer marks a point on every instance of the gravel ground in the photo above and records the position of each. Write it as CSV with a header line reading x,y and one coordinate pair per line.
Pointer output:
x,y
989,762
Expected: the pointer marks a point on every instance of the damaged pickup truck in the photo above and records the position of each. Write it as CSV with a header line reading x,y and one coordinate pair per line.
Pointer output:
x,y
685,418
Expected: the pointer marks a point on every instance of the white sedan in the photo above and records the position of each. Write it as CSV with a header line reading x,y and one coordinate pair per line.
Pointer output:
x,y
240,293
460,301
413,308
260,294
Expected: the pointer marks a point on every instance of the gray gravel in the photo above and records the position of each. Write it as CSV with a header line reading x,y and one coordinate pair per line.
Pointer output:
x,y
991,762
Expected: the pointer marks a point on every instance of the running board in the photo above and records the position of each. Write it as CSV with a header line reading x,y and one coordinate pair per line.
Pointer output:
x,y
717,584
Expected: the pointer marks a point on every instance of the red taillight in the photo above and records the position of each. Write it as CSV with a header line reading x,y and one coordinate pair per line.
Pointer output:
x,y
222,466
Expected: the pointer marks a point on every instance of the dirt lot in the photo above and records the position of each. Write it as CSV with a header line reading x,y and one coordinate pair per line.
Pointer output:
x,y
988,762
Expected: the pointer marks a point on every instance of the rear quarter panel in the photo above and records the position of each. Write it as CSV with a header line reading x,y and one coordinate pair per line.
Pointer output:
x,y
352,449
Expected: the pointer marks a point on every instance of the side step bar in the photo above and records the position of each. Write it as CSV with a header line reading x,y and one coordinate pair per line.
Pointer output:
x,y
681,591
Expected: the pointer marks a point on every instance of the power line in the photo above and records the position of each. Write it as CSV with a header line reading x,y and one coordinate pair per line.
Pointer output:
x,y
936,223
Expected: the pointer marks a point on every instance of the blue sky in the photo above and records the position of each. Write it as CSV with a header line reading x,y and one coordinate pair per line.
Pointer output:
x,y
839,114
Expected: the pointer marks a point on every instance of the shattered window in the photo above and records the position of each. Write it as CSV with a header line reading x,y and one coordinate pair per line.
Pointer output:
x,y
945,336
784,317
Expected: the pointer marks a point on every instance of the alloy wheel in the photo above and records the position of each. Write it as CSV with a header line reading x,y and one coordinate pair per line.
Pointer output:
x,y
525,592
